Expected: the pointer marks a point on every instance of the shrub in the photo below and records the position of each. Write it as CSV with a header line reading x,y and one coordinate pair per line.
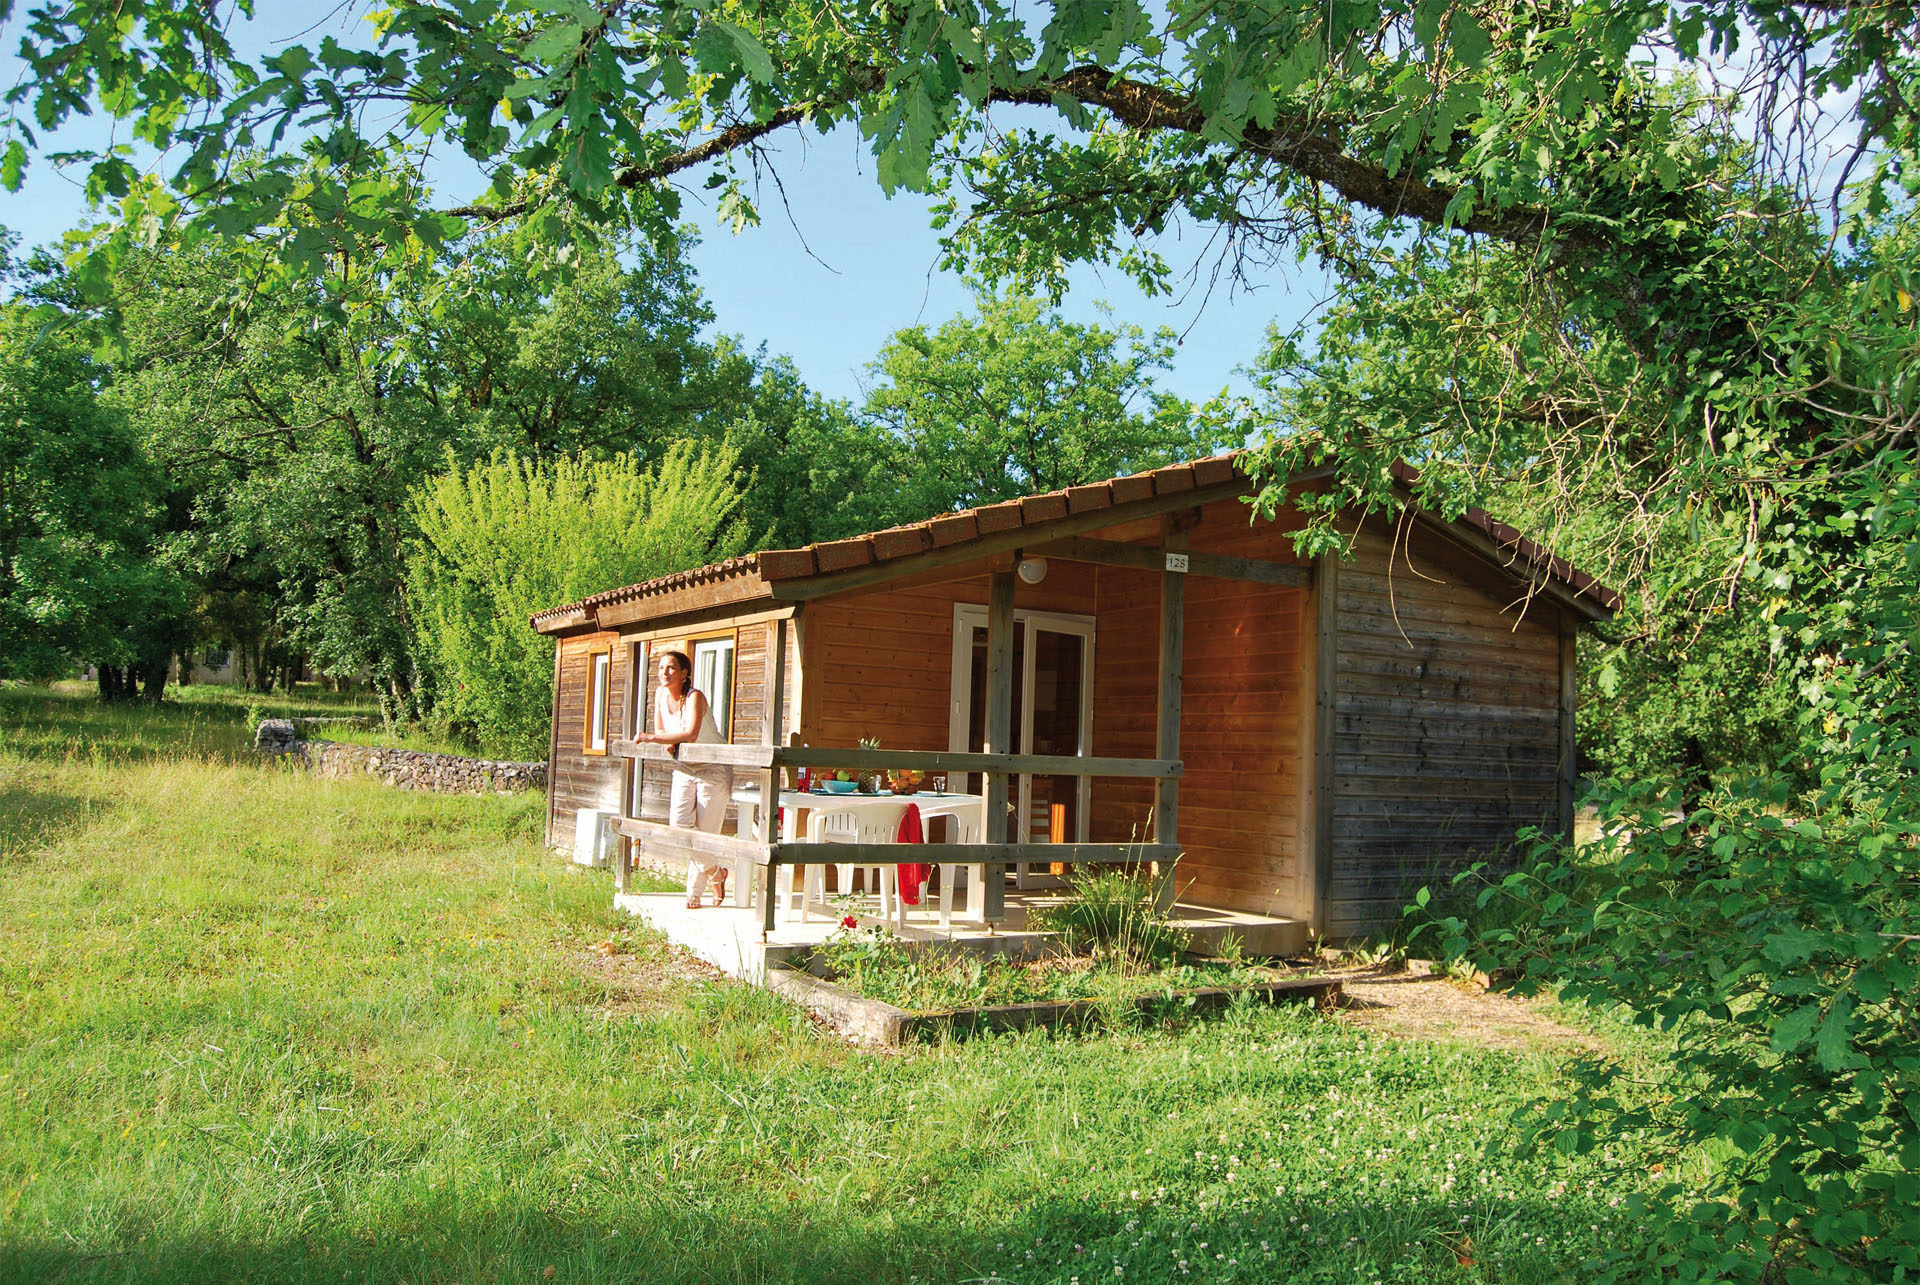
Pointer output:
x,y
1111,911
1775,937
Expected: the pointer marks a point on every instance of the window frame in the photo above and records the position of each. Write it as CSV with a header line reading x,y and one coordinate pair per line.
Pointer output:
x,y
600,685
731,637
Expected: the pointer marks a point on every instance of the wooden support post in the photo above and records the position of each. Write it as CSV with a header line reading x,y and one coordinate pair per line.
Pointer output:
x,y
1569,756
1166,791
633,779
772,732
999,732
1326,608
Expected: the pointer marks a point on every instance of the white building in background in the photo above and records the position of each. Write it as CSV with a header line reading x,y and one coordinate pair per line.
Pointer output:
x,y
208,665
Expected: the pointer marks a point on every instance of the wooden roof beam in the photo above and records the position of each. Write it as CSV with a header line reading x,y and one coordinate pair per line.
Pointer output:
x,y
1535,576
1141,557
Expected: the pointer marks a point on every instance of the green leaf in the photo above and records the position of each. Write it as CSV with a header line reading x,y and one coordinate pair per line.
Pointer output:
x,y
1834,1050
1471,46
13,164
1460,208
753,55
1428,16
1796,1028
1789,946
560,43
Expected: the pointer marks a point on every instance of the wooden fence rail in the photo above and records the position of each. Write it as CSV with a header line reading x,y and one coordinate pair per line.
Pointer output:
x,y
772,756
969,854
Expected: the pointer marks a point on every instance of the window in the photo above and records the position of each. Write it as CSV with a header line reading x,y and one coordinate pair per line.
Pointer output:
x,y
600,668
713,674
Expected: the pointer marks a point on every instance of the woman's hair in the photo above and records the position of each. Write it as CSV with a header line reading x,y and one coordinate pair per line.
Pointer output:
x,y
686,661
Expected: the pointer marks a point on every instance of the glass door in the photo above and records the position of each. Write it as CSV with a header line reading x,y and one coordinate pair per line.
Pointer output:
x,y
1052,714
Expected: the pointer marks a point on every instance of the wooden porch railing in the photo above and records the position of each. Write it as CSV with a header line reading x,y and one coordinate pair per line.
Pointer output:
x,y
770,855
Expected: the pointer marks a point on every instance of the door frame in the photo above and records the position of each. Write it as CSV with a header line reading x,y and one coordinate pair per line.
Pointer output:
x,y
970,616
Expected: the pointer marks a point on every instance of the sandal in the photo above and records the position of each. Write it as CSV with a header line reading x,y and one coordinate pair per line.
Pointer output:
x,y
719,887
693,903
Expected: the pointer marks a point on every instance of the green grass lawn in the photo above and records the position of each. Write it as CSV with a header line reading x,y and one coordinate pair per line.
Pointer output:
x,y
255,1026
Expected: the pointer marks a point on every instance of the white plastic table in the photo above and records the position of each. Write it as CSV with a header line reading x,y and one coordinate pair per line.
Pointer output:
x,y
794,801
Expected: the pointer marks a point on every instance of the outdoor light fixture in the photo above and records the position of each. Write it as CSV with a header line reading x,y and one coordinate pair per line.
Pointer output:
x,y
1033,570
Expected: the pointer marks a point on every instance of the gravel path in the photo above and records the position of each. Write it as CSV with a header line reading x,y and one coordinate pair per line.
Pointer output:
x,y
1425,1006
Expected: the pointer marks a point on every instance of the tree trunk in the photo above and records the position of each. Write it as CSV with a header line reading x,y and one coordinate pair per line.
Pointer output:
x,y
116,683
153,682
152,675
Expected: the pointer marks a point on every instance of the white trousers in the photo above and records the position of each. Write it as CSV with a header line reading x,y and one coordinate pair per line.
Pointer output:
x,y
699,802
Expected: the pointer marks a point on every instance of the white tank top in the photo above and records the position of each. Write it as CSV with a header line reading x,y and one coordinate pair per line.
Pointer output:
x,y
709,730
667,720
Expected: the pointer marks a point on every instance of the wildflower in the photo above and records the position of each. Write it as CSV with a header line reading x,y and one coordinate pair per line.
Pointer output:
x,y
849,922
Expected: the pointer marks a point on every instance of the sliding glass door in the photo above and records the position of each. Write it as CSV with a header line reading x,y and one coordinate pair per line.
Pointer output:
x,y
1052,714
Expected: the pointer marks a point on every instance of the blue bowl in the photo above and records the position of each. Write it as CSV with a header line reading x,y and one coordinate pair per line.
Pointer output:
x,y
839,787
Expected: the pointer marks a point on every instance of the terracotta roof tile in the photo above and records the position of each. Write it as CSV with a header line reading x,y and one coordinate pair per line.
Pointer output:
x,y
1035,509
1085,499
1216,470
840,555
901,542
1171,481
998,517
785,564
956,528
730,569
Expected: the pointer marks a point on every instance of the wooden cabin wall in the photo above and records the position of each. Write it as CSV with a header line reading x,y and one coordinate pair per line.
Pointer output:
x,y
1446,723
881,663
578,779
1239,825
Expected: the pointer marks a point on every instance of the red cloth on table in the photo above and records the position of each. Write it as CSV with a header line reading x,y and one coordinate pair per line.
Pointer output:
x,y
912,876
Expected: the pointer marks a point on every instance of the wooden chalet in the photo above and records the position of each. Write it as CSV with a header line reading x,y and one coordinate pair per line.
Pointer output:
x,y
1128,671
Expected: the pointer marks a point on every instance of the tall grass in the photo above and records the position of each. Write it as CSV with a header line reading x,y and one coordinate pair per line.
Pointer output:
x,y
255,1026
1111,912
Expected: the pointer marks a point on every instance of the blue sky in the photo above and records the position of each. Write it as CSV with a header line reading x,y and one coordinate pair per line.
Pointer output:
x,y
827,277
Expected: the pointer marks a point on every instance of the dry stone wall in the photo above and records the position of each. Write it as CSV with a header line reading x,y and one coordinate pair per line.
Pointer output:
x,y
406,769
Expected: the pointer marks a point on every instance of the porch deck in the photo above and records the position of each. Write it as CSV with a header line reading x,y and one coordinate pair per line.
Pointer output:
x,y
730,938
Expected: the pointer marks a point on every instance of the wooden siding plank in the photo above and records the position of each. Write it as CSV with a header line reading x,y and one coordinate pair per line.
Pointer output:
x,y
1326,589
1569,753
1152,558
553,743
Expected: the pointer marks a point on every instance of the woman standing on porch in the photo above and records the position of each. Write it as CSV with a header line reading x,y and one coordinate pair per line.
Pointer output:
x,y
682,714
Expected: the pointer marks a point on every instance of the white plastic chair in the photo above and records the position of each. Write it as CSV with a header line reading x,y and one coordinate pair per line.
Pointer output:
x,y
868,823
963,829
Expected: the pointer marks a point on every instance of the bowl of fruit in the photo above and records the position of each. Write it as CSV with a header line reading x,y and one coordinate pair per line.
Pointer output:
x,y
842,782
